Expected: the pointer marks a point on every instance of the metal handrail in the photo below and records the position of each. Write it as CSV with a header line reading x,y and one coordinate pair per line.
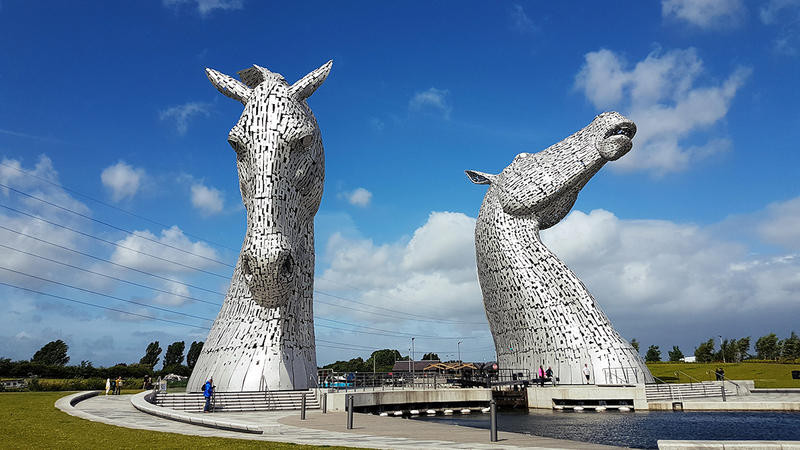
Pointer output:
x,y
724,379
669,386
705,393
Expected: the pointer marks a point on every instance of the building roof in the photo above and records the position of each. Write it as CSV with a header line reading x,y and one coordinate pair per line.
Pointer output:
x,y
416,366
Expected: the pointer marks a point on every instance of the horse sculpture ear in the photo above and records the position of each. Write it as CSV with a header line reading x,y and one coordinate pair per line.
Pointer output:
x,y
480,177
304,87
228,86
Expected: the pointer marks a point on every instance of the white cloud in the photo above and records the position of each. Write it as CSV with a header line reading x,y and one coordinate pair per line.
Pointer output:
x,y
431,100
705,13
520,21
661,94
201,253
178,296
205,7
181,114
122,179
772,11
208,200
433,274
781,224
358,197
785,15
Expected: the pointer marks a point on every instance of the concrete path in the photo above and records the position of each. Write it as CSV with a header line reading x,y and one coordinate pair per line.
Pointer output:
x,y
322,429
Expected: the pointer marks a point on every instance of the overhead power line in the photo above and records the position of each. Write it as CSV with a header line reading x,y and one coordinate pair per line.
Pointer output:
x,y
110,277
89,291
106,204
397,333
101,306
55,224
114,226
97,258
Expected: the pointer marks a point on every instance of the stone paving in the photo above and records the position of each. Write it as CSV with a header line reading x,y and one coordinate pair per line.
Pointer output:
x,y
322,429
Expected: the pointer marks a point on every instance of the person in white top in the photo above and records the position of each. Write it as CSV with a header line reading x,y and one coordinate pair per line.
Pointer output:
x,y
108,385
586,373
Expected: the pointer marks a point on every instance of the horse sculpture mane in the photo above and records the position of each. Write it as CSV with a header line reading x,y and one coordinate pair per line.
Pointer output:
x,y
263,337
539,312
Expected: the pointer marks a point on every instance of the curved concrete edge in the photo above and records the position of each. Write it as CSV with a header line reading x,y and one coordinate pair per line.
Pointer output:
x,y
67,404
139,401
694,445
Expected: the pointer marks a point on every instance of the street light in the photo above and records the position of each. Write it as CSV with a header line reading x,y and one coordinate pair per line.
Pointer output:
x,y
459,350
721,350
413,369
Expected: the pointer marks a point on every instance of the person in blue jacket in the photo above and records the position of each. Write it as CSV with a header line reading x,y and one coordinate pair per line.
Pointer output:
x,y
208,391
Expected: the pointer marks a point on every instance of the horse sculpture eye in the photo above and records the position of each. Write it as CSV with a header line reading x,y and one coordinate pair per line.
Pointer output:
x,y
306,141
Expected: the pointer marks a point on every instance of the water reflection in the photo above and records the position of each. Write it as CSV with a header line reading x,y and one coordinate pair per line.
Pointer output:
x,y
640,429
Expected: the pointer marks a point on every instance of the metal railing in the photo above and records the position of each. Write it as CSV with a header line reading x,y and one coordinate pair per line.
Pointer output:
x,y
623,375
355,381
691,378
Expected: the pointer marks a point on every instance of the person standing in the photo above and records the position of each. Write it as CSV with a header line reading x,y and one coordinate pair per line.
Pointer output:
x,y
587,373
208,391
541,376
119,385
108,385
549,374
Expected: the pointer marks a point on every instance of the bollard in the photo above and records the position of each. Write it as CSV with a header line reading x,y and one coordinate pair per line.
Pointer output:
x,y
325,403
349,400
303,407
493,420
724,399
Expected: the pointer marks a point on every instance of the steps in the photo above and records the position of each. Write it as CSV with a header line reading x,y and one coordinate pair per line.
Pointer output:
x,y
240,401
680,391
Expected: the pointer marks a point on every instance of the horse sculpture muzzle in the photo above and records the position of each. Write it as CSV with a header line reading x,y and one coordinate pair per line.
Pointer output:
x,y
269,269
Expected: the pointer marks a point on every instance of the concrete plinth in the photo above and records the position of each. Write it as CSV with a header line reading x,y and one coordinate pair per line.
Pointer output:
x,y
543,397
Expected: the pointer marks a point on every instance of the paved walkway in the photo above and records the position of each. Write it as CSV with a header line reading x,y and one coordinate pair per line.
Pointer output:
x,y
323,429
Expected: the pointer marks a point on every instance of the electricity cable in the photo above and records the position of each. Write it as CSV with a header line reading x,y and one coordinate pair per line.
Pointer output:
x,y
34,216
131,213
114,226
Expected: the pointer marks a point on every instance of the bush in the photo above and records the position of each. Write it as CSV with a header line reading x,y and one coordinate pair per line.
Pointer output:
x,y
78,384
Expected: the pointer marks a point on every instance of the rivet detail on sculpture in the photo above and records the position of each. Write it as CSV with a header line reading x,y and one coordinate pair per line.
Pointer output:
x,y
263,337
539,312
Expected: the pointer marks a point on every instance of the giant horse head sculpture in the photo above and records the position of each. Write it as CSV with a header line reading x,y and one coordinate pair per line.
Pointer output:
x,y
263,337
281,166
539,312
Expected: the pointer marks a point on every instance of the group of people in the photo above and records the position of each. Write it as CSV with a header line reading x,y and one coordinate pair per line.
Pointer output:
x,y
545,375
719,373
113,386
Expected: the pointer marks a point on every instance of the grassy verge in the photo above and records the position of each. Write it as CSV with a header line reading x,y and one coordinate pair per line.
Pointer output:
x,y
30,420
765,375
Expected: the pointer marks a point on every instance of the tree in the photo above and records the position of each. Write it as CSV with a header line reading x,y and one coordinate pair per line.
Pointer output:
x,y
768,347
743,348
705,351
54,353
150,357
635,344
791,347
675,354
430,357
382,360
174,356
653,354
728,351
193,354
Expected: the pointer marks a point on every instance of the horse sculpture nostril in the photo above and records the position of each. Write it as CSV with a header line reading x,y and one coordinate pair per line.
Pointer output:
x,y
287,267
246,267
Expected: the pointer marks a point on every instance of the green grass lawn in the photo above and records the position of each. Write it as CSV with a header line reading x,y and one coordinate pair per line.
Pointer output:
x,y
766,375
30,420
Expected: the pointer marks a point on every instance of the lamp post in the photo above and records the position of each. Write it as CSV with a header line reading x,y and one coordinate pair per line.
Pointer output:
x,y
413,368
459,350
721,350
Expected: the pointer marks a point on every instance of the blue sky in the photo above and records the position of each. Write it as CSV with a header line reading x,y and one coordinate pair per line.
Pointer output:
x,y
695,233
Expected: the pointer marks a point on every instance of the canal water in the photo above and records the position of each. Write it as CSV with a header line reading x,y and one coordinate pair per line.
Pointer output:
x,y
638,429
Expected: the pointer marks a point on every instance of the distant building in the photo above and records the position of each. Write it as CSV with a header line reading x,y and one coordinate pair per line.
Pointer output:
x,y
13,384
689,359
413,366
